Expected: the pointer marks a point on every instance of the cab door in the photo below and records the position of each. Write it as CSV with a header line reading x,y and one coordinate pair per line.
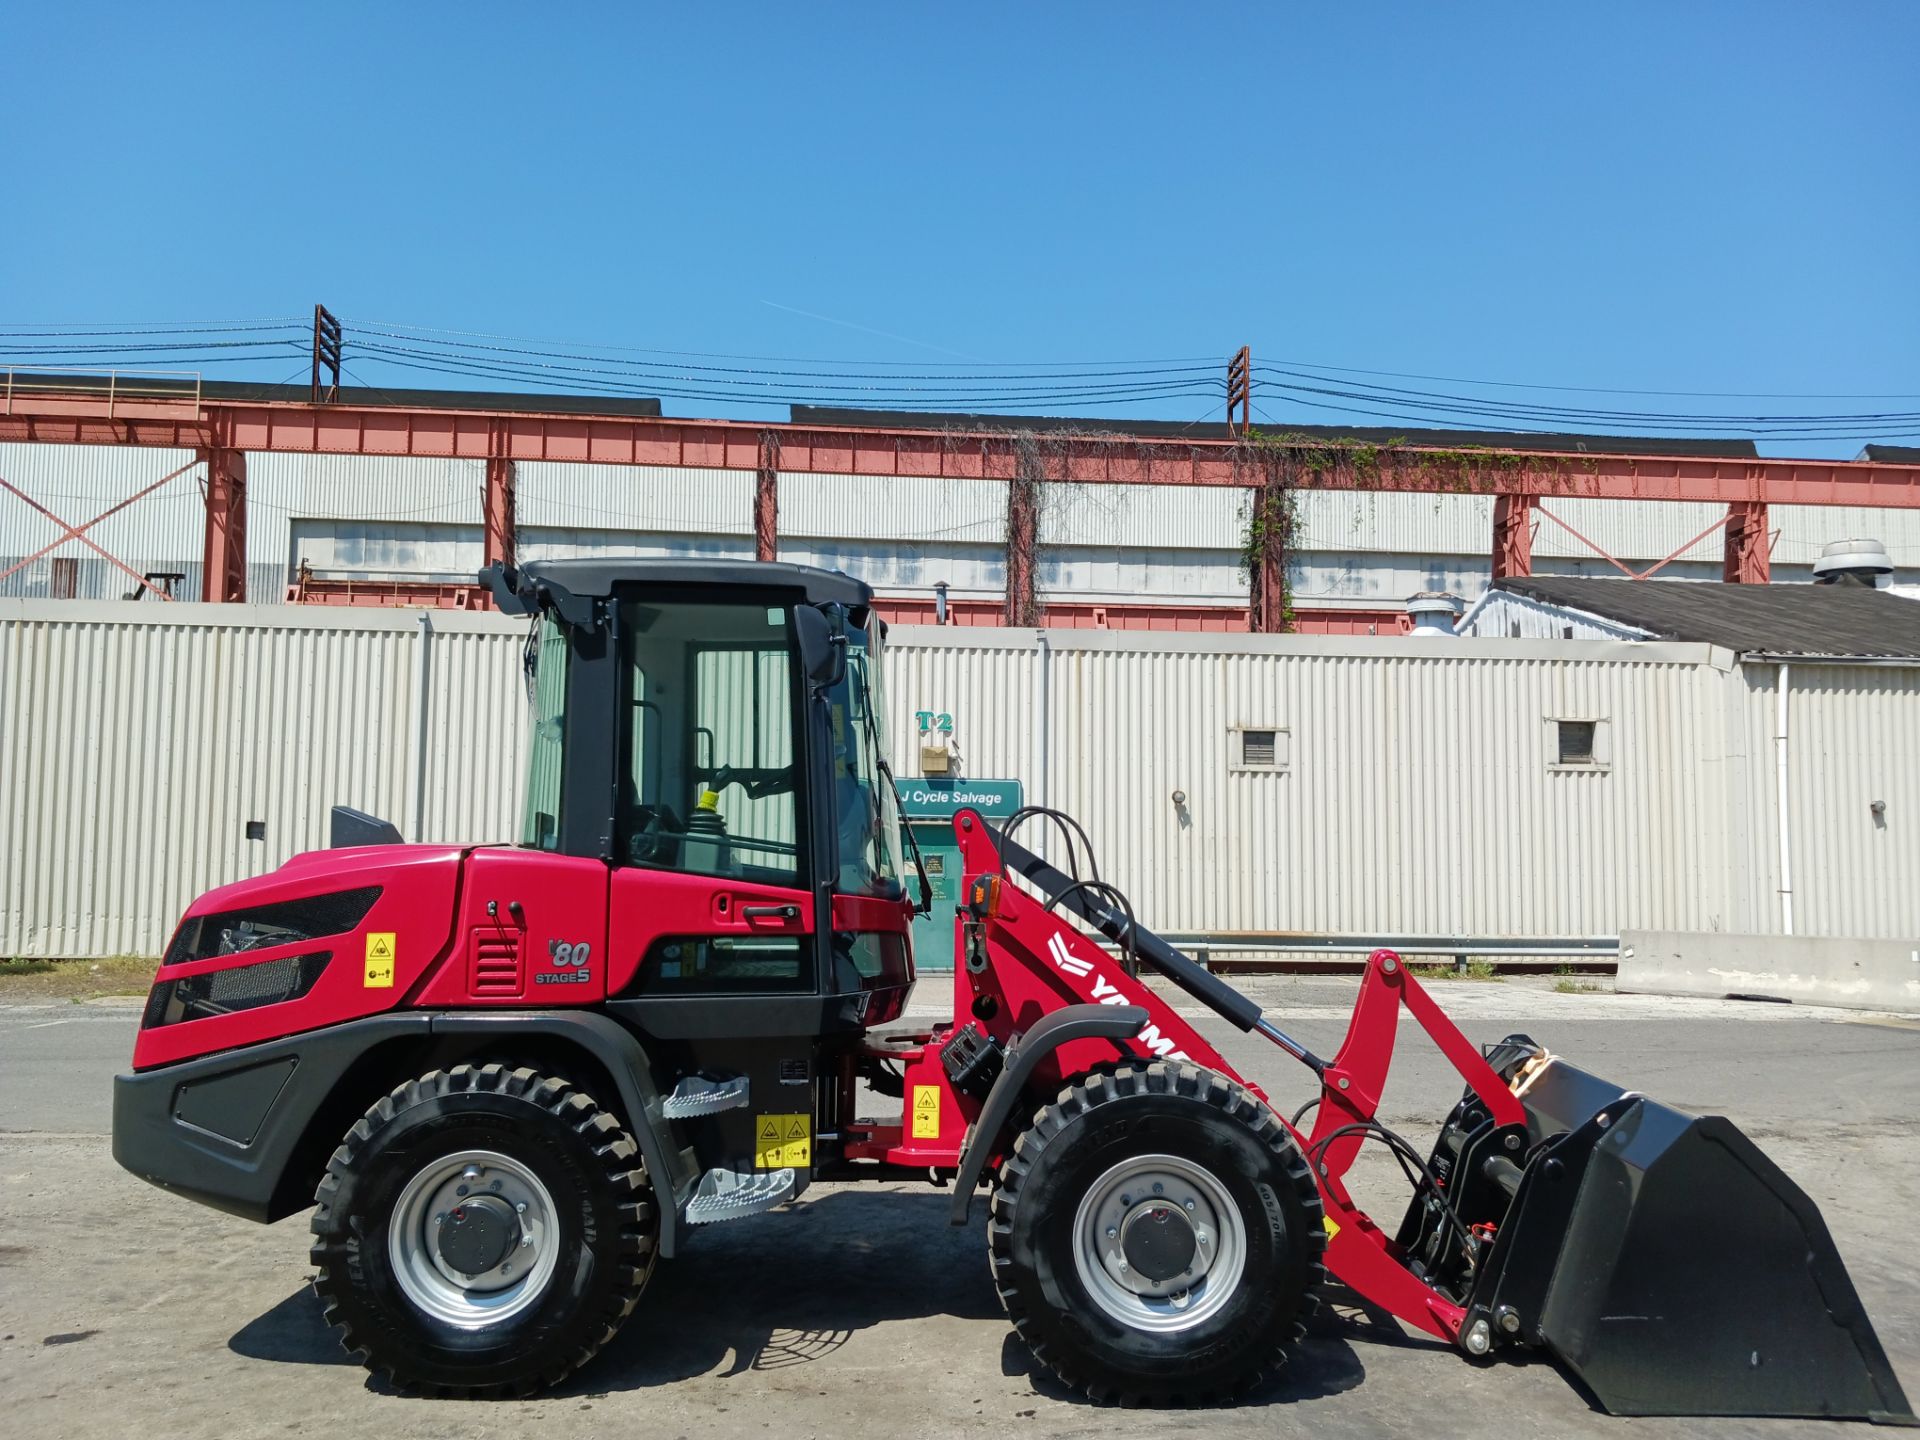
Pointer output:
x,y
711,895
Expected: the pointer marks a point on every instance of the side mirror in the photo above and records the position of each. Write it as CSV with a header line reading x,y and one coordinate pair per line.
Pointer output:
x,y
823,648
503,581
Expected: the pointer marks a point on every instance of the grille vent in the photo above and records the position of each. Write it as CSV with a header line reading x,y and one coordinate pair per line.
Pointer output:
x,y
240,987
496,965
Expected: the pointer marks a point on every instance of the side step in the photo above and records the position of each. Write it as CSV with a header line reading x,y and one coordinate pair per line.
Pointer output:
x,y
697,1095
727,1195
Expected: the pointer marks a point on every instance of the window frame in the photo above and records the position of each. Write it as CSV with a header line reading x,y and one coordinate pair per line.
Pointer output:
x,y
1600,757
804,859
1237,761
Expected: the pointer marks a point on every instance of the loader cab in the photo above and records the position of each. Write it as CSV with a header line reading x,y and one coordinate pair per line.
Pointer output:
x,y
715,731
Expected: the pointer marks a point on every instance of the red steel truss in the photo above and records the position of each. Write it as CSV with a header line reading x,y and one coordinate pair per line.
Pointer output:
x,y
1517,478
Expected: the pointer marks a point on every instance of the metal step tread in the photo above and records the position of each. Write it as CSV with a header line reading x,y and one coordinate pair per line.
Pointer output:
x,y
728,1195
698,1095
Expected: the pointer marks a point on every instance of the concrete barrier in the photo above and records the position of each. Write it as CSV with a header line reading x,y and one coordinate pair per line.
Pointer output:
x,y
1858,974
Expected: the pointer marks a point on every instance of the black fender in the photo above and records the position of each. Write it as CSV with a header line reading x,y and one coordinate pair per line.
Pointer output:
x,y
618,1052
1072,1022
230,1129
224,1129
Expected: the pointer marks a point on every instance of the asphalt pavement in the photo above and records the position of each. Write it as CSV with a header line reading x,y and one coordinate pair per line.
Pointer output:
x,y
859,1312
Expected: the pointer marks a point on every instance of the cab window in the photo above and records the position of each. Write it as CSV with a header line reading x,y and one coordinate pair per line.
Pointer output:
x,y
709,779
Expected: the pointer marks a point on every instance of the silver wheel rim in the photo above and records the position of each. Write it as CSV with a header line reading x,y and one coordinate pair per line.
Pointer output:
x,y
517,1281
1220,1243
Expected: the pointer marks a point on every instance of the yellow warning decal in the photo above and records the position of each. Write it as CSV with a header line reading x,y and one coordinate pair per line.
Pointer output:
x,y
1332,1229
380,950
926,1112
780,1141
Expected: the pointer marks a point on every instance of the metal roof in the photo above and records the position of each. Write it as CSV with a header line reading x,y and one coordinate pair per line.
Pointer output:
x,y
1839,621
1214,430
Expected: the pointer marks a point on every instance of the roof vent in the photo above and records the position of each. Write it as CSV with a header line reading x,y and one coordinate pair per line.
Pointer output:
x,y
1433,612
1853,562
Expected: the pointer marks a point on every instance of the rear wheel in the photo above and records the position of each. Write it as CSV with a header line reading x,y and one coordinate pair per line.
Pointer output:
x,y
483,1231
1157,1235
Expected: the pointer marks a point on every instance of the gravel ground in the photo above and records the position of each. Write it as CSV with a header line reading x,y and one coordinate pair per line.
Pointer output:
x,y
859,1312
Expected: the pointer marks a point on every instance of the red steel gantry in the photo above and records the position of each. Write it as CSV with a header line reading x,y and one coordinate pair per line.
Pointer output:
x,y
222,432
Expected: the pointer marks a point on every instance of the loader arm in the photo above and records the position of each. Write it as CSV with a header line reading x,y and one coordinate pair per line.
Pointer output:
x,y
1660,1258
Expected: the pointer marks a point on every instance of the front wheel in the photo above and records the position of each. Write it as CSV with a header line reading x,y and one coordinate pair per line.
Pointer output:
x,y
483,1231
1157,1236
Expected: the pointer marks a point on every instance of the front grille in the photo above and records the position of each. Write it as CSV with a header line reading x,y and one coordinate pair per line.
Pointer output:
x,y
241,987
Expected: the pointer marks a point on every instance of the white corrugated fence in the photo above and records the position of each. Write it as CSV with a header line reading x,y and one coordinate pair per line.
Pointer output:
x,y
1416,786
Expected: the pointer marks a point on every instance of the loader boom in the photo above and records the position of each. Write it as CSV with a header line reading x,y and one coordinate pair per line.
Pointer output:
x,y
1663,1259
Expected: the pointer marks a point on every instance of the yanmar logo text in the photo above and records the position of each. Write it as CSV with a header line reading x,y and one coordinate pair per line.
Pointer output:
x,y
1106,994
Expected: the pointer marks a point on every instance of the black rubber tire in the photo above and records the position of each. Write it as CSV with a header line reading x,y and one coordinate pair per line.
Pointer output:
x,y
1201,1116
606,1217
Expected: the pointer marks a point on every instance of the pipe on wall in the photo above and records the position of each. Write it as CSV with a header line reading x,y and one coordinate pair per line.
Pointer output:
x,y
1784,683
1042,728
422,701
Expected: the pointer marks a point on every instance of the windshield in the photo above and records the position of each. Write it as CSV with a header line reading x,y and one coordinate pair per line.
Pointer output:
x,y
864,812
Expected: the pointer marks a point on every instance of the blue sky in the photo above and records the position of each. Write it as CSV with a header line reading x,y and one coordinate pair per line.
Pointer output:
x,y
1705,197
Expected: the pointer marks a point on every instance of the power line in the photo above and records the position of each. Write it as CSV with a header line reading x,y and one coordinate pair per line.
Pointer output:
x,y
1199,360
779,381
1521,410
1403,418
653,366
957,387
483,370
1595,389
148,349
67,333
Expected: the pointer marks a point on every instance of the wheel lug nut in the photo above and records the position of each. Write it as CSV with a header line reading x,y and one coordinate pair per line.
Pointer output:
x,y
495,1187
460,1190
521,1208
1189,1204
1112,1233
525,1241
1126,1199
1158,1188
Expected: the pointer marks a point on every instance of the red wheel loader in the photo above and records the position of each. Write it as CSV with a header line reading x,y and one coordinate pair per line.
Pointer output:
x,y
507,1079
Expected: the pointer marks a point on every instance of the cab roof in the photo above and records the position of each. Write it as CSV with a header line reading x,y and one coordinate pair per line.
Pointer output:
x,y
597,578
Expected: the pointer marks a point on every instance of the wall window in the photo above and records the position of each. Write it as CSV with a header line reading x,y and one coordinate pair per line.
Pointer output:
x,y
1577,743
1260,748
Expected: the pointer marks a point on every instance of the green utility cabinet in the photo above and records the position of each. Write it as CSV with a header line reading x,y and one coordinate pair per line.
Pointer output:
x,y
929,805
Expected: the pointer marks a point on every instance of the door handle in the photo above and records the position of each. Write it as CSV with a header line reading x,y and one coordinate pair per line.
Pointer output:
x,y
770,912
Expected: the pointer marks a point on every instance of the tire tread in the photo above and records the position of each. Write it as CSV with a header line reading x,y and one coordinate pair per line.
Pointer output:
x,y
1106,1087
621,1164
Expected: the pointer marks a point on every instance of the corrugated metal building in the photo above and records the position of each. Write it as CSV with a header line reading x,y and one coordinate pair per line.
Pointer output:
x,y
1389,785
